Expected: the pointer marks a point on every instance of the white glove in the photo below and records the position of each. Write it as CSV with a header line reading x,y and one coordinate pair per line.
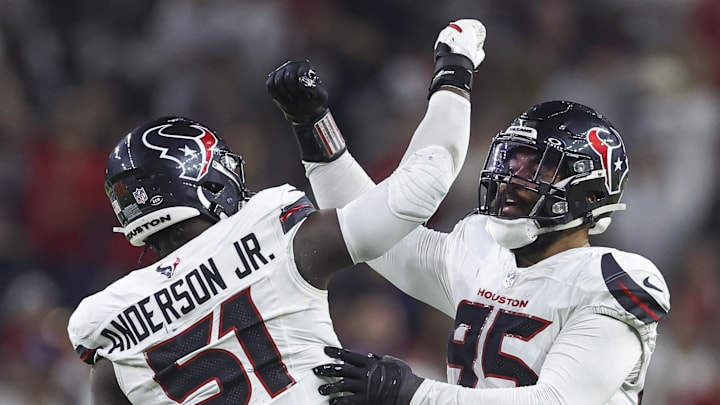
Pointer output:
x,y
465,37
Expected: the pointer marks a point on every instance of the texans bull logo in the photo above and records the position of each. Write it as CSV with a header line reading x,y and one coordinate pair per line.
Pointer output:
x,y
191,146
609,147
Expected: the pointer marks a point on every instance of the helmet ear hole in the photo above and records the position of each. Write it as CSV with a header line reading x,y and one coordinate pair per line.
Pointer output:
x,y
212,187
593,196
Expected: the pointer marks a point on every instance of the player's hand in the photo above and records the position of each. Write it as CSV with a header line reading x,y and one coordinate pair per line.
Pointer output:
x,y
298,91
368,379
463,37
458,52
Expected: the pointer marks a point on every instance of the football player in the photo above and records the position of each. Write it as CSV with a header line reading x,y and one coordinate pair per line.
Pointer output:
x,y
541,317
235,310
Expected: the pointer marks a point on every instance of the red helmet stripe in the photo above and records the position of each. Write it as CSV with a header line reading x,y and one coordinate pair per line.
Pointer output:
x,y
602,149
208,140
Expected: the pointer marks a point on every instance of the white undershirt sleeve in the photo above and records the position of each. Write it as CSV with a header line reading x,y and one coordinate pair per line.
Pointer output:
x,y
374,218
587,365
417,266
337,183
446,124
377,220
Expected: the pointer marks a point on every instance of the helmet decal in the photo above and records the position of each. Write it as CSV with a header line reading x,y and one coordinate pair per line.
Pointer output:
x,y
608,146
168,268
192,153
140,195
522,131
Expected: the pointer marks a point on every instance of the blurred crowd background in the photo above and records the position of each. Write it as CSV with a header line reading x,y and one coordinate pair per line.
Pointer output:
x,y
76,75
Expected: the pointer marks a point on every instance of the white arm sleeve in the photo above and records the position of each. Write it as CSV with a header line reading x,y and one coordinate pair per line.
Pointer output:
x,y
337,183
378,219
414,265
417,266
446,124
410,195
587,365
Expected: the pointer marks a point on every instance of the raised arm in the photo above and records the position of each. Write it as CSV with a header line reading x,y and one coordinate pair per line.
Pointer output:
x,y
336,178
373,219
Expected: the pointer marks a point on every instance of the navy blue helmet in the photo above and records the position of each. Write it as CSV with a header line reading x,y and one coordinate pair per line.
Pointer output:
x,y
169,170
582,150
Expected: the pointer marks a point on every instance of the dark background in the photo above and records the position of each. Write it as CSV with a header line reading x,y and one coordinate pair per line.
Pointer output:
x,y
76,75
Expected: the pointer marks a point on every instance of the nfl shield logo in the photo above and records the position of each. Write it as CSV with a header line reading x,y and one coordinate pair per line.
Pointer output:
x,y
140,195
510,279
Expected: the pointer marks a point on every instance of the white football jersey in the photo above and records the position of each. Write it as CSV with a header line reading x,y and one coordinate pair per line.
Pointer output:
x,y
225,319
507,318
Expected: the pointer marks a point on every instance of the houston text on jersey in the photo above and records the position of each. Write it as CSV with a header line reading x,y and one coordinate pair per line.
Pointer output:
x,y
501,299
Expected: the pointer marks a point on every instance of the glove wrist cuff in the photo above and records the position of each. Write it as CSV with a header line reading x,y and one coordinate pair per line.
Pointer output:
x,y
320,141
451,69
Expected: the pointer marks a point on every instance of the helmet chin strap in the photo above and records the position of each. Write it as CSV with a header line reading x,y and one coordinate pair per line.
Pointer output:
x,y
602,224
520,232
512,233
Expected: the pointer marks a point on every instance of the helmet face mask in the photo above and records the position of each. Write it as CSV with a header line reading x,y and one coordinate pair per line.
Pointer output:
x,y
560,165
521,180
170,170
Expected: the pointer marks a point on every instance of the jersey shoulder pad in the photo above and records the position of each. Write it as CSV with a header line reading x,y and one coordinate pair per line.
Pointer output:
x,y
292,204
84,324
90,317
276,197
636,286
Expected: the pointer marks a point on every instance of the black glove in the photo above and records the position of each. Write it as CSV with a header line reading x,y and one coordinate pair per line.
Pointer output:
x,y
299,93
369,379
